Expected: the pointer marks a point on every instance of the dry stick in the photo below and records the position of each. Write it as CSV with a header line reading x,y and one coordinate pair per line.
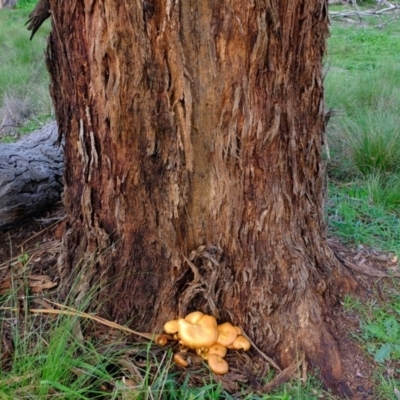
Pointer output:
x,y
282,377
100,320
334,14
44,247
16,379
380,26
269,359
71,311
43,230
367,270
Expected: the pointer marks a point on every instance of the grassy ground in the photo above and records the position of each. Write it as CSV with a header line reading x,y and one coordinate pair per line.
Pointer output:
x,y
363,88
363,155
24,94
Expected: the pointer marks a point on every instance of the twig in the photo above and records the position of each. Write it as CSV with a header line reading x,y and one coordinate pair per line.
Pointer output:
x,y
282,377
343,14
156,337
380,26
43,230
269,359
65,310
44,247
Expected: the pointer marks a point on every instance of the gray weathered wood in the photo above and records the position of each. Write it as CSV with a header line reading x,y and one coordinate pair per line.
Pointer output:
x,y
31,175
7,3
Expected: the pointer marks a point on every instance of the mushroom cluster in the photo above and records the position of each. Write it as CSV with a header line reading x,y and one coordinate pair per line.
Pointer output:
x,y
211,341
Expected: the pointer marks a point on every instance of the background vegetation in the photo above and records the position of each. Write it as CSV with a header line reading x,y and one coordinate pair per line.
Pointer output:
x,y
25,102
363,208
363,147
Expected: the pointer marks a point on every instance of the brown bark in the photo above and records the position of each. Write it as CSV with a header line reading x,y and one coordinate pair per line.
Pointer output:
x,y
194,180
36,18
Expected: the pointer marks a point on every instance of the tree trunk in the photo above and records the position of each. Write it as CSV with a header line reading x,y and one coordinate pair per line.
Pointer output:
x,y
31,175
194,179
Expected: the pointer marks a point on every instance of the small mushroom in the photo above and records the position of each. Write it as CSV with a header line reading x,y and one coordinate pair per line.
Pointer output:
x,y
217,364
161,340
239,330
178,359
226,334
241,343
171,327
203,333
218,350
203,353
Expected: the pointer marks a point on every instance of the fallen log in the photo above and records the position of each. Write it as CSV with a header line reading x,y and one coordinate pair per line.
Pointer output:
x,y
389,7
8,3
31,175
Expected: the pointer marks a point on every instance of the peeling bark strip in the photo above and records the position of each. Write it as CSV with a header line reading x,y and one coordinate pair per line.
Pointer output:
x,y
30,175
194,176
36,18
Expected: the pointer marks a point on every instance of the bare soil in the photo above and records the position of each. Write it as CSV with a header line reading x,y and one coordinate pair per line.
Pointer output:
x,y
33,248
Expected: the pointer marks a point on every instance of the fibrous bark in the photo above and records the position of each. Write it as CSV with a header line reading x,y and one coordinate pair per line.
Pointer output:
x,y
31,175
194,179
36,18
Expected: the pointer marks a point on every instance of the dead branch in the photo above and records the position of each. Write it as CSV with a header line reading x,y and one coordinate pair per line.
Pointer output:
x,y
365,13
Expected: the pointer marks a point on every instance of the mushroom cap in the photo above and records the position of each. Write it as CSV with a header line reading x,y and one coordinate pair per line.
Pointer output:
x,y
194,316
218,350
171,327
178,358
203,333
239,330
226,334
241,343
217,364
161,340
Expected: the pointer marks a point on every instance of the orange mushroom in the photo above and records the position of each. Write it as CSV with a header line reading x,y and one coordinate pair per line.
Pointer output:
x,y
239,330
171,327
226,334
202,333
203,353
178,359
217,364
241,343
194,317
161,340
218,350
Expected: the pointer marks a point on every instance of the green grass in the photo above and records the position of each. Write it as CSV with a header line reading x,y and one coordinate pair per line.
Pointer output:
x,y
26,4
50,360
354,216
363,153
23,74
379,334
364,137
69,357
363,88
53,360
363,67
